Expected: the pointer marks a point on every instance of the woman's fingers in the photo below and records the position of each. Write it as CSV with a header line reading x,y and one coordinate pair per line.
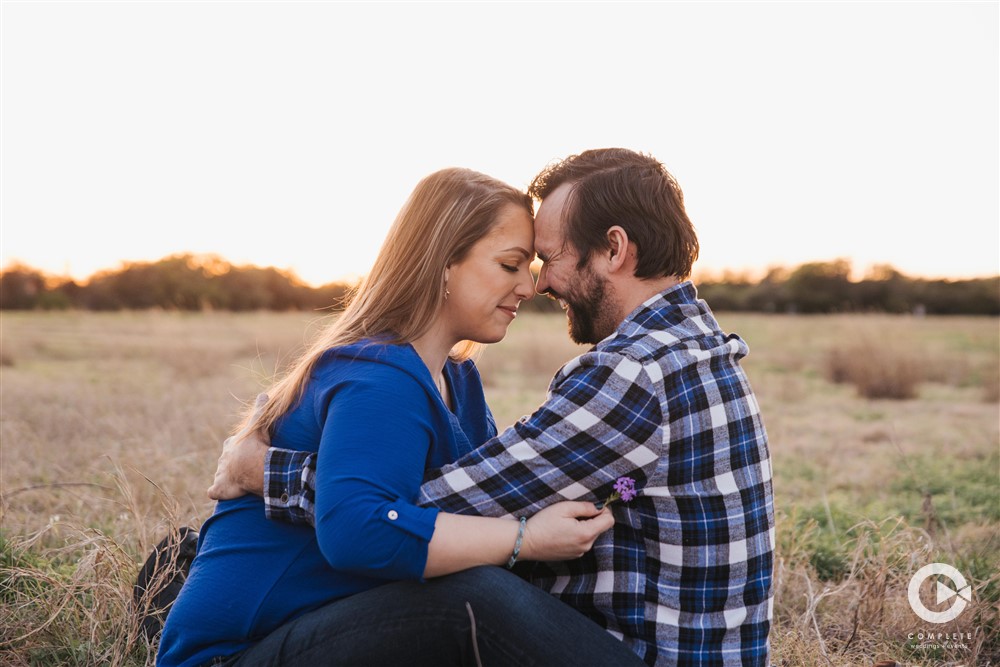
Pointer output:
x,y
566,530
581,510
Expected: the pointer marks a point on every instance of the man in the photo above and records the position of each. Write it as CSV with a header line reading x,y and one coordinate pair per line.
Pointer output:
x,y
684,576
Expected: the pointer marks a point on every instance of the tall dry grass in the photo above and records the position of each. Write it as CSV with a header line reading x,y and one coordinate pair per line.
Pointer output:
x,y
110,426
880,362
877,370
68,589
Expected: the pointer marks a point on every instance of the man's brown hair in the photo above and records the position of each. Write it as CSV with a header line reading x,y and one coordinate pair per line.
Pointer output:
x,y
617,186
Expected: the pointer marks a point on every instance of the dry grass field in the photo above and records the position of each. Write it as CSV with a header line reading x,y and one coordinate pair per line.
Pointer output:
x,y
885,436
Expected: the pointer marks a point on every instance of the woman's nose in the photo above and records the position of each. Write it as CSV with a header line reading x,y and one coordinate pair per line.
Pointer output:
x,y
525,288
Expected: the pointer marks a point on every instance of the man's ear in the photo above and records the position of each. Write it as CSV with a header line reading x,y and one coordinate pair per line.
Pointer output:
x,y
619,247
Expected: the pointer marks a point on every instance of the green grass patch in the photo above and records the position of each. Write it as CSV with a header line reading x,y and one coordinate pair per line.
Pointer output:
x,y
960,491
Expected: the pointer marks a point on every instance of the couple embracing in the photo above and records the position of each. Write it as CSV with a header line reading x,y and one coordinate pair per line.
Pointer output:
x,y
370,513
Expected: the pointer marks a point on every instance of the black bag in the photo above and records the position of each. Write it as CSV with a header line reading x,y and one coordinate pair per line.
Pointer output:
x,y
161,577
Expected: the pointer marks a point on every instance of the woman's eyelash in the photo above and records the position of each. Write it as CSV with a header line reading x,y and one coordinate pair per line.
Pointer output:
x,y
508,267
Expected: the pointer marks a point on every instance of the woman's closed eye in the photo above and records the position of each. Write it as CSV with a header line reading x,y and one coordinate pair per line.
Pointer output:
x,y
509,268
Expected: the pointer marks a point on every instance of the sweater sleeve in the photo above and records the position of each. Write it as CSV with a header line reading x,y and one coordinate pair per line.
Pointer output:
x,y
375,438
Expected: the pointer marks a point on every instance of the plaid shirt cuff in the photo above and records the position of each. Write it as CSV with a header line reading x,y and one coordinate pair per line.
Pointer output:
x,y
289,486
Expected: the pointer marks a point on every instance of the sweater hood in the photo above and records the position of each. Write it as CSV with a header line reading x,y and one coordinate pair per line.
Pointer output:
x,y
380,350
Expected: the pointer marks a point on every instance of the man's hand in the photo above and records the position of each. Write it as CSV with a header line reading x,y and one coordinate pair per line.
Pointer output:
x,y
241,464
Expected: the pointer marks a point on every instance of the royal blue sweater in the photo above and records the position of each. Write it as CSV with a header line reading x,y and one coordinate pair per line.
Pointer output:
x,y
377,420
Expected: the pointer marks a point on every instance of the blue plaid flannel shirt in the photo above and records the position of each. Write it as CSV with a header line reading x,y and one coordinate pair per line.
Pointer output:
x,y
684,576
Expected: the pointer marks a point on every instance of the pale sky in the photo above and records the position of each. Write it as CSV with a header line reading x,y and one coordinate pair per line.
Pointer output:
x,y
288,134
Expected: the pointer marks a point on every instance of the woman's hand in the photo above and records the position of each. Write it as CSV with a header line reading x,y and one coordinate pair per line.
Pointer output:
x,y
564,531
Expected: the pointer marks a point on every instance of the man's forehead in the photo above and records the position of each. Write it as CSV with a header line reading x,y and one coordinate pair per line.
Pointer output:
x,y
549,234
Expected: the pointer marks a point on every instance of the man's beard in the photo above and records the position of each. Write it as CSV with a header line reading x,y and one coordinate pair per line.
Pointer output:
x,y
592,309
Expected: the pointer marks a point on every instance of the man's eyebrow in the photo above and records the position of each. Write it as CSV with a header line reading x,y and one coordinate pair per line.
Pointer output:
x,y
527,255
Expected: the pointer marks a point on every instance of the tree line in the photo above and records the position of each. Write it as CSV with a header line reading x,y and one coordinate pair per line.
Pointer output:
x,y
826,287
199,282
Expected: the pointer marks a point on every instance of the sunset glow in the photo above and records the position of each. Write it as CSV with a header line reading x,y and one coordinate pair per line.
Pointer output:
x,y
289,134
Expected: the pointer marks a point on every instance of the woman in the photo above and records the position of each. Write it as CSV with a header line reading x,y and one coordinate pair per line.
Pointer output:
x,y
386,391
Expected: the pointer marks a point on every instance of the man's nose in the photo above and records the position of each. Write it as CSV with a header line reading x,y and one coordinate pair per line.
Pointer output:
x,y
542,286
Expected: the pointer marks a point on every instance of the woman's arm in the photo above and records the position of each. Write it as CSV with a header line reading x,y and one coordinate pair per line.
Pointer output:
x,y
377,431
563,531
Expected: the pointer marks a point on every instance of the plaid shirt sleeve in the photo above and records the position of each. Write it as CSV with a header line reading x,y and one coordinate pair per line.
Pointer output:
x,y
290,486
597,424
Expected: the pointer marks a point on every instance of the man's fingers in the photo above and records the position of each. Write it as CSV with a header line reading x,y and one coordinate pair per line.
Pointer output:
x,y
222,491
225,485
258,407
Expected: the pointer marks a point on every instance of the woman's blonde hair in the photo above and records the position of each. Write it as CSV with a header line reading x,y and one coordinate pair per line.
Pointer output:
x,y
445,215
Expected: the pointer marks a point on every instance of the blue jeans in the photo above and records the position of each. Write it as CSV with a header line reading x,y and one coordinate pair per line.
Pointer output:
x,y
484,616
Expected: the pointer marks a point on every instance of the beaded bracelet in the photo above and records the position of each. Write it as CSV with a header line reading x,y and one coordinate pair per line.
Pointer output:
x,y
517,545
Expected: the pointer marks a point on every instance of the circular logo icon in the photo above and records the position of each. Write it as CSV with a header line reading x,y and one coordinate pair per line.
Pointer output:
x,y
961,594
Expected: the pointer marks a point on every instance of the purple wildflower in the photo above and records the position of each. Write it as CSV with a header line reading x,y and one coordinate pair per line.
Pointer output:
x,y
624,490
625,487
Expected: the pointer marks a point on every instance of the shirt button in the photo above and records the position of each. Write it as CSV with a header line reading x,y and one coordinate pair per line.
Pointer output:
x,y
284,497
393,515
